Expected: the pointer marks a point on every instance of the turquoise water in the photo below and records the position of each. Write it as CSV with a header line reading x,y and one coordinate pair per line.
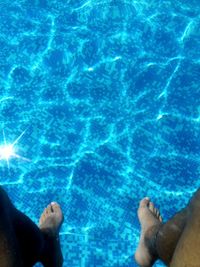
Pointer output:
x,y
101,102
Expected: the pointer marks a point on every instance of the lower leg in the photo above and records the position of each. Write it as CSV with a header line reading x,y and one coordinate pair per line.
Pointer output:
x,y
50,223
23,241
169,234
52,254
39,243
10,255
188,247
30,238
157,240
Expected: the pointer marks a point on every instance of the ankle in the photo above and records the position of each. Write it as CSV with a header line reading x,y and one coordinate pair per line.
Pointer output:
x,y
52,254
150,239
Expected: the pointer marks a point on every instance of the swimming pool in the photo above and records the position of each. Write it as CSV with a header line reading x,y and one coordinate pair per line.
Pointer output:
x,y
101,100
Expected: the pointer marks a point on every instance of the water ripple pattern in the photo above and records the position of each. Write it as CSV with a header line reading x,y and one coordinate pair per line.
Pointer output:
x,y
101,100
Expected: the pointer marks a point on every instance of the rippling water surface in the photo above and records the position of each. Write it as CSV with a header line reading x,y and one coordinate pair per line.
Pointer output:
x,y
101,100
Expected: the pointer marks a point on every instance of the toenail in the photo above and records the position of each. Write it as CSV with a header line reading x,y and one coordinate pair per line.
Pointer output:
x,y
53,203
147,198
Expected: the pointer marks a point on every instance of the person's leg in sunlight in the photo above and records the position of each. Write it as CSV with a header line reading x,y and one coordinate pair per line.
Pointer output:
x,y
176,242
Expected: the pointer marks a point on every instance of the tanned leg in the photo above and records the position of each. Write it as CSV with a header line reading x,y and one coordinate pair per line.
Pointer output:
x,y
187,250
158,240
177,242
168,236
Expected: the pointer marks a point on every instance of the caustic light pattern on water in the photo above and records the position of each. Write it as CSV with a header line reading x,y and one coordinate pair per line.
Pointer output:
x,y
100,106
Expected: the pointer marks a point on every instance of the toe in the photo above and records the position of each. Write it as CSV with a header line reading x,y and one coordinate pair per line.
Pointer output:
x,y
54,203
157,213
46,211
144,202
49,208
43,216
54,206
56,209
151,207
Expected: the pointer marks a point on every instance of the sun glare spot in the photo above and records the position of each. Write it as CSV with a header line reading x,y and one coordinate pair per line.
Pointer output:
x,y
6,151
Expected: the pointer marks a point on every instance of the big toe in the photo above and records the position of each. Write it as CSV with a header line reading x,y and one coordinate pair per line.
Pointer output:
x,y
143,207
144,202
55,208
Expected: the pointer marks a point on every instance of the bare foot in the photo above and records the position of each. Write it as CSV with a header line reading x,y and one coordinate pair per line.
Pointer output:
x,y
149,218
51,219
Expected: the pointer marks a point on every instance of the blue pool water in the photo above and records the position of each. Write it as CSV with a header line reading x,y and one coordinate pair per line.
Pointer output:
x,y
102,101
